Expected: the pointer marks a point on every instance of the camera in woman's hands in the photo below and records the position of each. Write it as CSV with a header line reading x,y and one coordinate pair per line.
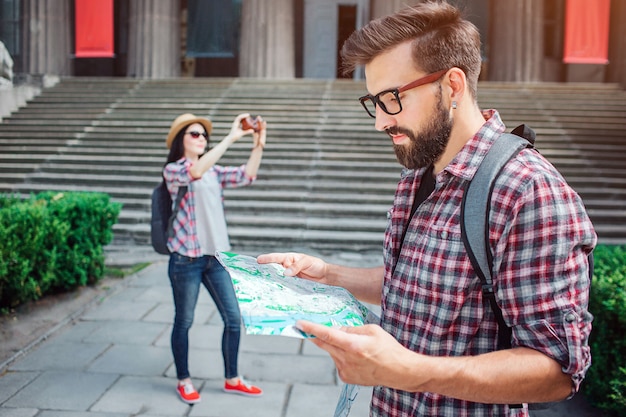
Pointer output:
x,y
251,122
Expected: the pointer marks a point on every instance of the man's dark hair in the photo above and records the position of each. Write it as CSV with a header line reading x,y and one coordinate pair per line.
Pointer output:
x,y
441,39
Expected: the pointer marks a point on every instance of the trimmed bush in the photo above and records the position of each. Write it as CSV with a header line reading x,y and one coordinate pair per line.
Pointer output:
x,y
605,384
52,242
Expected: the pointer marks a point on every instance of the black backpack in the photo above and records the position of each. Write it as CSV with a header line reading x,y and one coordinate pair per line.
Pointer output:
x,y
475,207
163,216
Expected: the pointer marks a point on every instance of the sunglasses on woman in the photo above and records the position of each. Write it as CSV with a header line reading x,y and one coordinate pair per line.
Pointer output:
x,y
196,135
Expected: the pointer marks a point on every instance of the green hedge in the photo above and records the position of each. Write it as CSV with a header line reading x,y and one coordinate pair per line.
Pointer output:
x,y
605,384
52,242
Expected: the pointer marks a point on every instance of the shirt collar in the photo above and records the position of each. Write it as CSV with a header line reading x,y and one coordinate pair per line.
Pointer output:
x,y
466,162
183,161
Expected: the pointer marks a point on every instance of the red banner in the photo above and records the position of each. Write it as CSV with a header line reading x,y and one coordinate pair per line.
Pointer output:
x,y
587,32
94,28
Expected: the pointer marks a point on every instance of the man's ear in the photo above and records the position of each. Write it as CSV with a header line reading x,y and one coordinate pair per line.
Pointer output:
x,y
457,83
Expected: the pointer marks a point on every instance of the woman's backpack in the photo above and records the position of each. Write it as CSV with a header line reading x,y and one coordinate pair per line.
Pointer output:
x,y
163,216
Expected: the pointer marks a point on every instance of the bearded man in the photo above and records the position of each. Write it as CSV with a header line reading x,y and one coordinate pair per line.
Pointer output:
x,y
435,350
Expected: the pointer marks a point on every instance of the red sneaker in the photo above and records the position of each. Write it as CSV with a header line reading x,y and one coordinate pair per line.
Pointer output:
x,y
242,387
188,393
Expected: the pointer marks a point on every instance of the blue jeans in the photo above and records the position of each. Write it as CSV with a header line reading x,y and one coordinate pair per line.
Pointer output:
x,y
186,275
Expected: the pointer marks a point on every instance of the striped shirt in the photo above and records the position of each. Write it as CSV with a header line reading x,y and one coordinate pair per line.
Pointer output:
x,y
176,174
432,303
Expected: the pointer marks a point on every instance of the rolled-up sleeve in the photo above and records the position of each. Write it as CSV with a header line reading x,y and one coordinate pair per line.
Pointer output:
x,y
543,280
178,173
233,177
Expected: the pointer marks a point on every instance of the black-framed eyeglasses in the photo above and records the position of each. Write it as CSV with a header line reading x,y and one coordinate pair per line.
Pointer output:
x,y
389,100
196,135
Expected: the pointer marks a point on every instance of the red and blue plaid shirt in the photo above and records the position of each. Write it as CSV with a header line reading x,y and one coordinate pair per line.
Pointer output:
x,y
176,174
432,303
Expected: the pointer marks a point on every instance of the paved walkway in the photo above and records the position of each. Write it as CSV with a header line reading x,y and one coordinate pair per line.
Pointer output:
x,y
111,358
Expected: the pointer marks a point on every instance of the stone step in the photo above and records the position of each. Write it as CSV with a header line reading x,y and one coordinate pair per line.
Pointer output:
x,y
327,177
260,240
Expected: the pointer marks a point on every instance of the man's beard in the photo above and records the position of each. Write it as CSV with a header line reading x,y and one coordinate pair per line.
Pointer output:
x,y
427,146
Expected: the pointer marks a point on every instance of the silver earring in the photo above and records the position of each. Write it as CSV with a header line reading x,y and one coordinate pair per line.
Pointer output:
x,y
454,105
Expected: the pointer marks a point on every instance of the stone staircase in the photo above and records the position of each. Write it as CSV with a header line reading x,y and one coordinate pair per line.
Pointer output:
x,y
327,177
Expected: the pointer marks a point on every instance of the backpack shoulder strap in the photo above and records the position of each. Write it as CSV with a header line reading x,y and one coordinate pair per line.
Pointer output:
x,y
475,208
170,222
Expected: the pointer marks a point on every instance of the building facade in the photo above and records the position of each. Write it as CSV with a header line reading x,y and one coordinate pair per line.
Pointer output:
x,y
523,40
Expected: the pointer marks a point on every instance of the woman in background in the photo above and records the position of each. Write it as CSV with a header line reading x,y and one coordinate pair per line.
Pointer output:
x,y
199,231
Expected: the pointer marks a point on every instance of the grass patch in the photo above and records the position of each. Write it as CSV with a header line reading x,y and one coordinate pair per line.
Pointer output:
x,y
121,273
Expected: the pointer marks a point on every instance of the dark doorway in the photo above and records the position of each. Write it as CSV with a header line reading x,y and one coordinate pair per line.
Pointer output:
x,y
212,37
346,25
554,28
217,67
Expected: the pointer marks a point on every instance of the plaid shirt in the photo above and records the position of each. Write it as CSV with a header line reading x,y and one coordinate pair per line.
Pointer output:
x,y
432,303
176,174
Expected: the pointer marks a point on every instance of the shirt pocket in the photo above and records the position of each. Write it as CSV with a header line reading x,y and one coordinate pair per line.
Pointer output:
x,y
440,253
434,268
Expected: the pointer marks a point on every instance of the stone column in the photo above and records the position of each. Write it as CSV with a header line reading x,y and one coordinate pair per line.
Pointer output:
x,y
46,37
516,41
616,71
382,8
154,39
267,48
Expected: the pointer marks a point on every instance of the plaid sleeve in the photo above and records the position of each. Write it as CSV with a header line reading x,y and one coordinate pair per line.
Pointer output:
x,y
177,174
232,177
541,262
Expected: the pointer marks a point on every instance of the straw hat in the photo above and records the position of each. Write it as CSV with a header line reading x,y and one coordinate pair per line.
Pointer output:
x,y
185,120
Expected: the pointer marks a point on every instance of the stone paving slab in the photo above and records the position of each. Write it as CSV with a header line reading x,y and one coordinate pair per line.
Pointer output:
x,y
132,395
292,369
114,360
61,355
132,360
120,310
315,400
205,364
55,413
219,403
13,382
18,412
126,332
63,390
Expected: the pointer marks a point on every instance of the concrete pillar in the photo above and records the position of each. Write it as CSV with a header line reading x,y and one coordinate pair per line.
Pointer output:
x,y
382,8
154,39
616,71
267,47
516,41
46,37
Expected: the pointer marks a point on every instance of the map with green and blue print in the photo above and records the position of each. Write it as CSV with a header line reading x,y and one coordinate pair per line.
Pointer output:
x,y
271,303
